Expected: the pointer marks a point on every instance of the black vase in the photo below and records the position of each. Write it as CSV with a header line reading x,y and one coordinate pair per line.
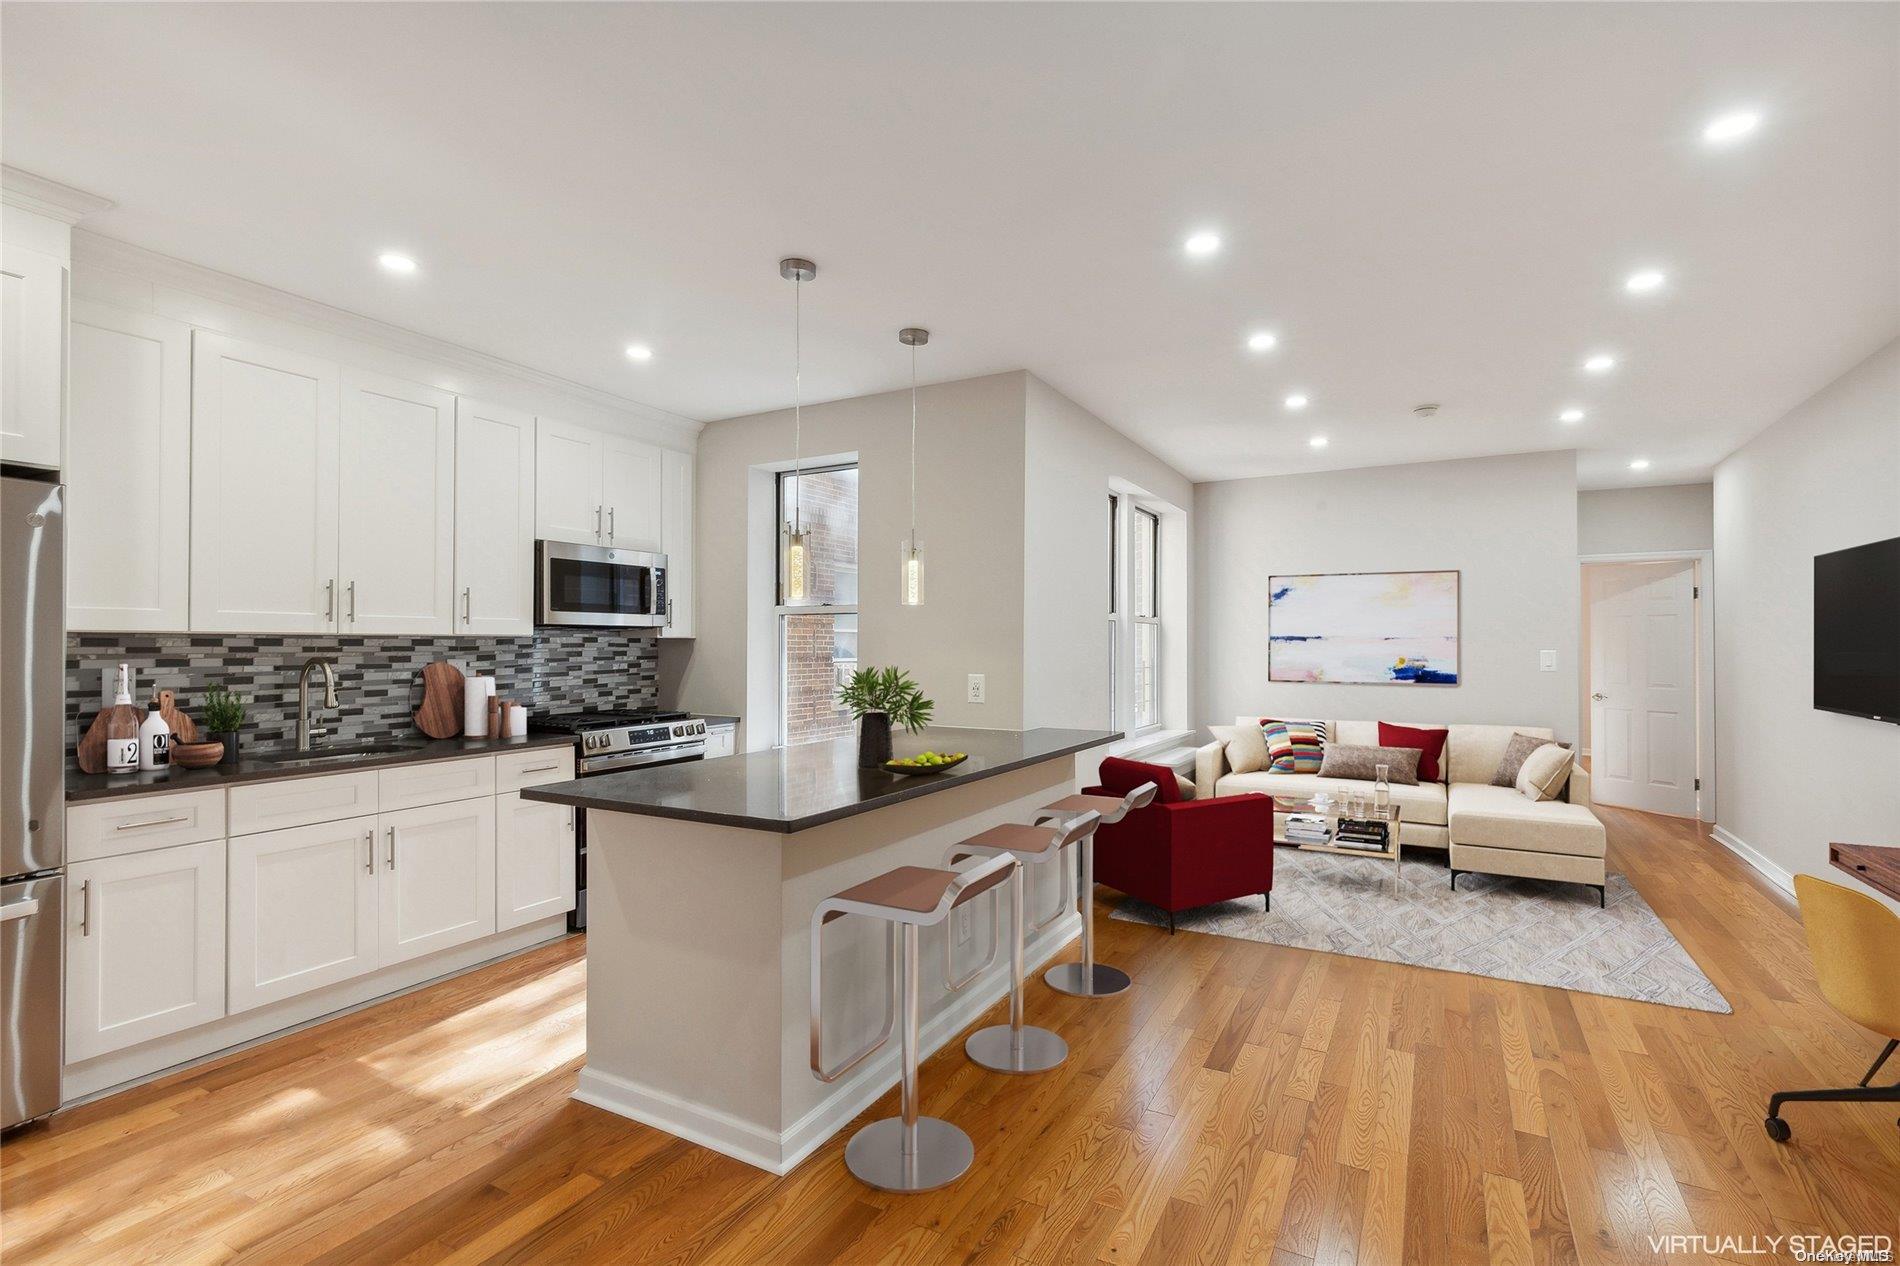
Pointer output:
x,y
230,740
874,740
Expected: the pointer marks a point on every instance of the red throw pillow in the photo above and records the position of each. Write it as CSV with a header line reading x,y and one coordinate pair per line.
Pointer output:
x,y
1118,777
1430,744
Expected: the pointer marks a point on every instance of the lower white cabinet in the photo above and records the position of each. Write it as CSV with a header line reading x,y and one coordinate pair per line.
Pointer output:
x,y
144,946
534,860
302,910
436,879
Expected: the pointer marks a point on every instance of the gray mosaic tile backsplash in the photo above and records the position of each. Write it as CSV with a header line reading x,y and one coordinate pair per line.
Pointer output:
x,y
379,679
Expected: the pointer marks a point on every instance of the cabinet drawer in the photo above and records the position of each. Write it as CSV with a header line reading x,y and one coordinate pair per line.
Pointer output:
x,y
516,770
437,782
267,806
135,824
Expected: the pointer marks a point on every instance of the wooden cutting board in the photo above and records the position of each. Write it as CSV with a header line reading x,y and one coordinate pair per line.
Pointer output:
x,y
92,748
440,715
183,728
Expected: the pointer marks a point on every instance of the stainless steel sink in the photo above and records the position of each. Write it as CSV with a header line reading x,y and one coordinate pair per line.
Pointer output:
x,y
354,751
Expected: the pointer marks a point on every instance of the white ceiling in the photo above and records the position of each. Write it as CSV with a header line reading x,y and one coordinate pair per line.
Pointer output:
x,y
1426,203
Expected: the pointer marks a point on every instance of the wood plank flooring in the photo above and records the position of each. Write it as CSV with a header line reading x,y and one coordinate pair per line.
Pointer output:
x,y
1243,1103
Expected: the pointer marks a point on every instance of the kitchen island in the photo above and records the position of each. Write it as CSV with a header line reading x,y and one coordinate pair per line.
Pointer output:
x,y
702,879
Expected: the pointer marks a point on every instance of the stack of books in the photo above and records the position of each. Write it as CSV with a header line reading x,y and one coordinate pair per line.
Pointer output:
x,y
1371,836
1308,828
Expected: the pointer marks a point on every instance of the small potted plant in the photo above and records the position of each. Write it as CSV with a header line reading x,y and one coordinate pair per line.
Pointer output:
x,y
877,697
224,715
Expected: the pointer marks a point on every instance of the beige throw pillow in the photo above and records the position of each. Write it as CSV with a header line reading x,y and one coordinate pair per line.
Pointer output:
x,y
1246,750
1545,772
1520,746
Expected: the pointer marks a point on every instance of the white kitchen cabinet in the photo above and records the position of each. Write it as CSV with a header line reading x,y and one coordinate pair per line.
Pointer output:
x,y
676,540
631,475
720,740
436,884
534,860
494,520
396,509
567,483
263,488
128,471
144,946
32,355
302,910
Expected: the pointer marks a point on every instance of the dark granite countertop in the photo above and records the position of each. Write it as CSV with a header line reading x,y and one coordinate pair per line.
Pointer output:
x,y
794,788
256,767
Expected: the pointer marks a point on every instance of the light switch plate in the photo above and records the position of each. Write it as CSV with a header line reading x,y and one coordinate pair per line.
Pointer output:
x,y
1547,660
975,694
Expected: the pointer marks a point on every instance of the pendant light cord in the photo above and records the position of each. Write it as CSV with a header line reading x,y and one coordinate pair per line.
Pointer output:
x,y
913,446
798,417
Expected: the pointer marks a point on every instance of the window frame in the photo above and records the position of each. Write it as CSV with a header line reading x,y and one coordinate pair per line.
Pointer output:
x,y
1145,619
783,611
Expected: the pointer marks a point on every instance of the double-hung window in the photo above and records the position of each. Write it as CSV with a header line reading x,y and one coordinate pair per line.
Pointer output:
x,y
1144,601
818,633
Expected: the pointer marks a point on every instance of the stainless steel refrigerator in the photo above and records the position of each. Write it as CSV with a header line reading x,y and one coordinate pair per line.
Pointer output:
x,y
32,797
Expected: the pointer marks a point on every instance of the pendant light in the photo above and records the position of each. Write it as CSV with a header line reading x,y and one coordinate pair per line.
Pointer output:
x,y
795,565
910,590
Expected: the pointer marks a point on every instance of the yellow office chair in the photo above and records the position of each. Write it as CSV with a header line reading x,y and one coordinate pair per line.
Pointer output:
x,y
1855,944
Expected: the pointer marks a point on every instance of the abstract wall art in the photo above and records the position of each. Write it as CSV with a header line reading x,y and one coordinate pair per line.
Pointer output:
x,y
1364,628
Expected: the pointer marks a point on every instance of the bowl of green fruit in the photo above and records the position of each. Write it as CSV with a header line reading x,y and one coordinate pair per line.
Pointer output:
x,y
926,762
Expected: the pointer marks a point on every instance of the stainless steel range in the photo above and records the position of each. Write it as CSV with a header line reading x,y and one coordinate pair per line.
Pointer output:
x,y
613,741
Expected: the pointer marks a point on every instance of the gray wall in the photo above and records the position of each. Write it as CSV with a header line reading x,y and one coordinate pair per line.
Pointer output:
x,y
1509,524
1646,520
1825,477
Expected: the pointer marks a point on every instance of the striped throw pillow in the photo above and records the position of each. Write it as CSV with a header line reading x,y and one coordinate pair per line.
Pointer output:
x,y
1294,747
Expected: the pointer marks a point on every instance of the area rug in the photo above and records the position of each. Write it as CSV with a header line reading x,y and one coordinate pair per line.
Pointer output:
x,y
1525,930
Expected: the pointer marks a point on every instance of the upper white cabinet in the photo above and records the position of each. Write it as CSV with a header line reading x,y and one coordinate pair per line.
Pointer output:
x,y
397,510
263,488
32,355
494,520
128,471
676,541
630,478
597,489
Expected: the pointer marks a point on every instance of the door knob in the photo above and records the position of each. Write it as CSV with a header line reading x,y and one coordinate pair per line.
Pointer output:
x,y
1599,697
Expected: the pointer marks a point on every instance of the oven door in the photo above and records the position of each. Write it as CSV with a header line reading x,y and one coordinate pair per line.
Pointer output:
x,y
597,586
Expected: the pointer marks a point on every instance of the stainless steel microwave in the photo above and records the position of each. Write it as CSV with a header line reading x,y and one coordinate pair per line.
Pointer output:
x,y
593,585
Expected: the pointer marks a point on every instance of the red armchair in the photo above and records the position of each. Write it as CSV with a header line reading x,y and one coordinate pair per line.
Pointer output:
x,y
1179,854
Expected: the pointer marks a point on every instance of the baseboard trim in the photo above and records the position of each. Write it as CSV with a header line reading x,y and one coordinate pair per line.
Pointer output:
x,y
1768,869
780,1153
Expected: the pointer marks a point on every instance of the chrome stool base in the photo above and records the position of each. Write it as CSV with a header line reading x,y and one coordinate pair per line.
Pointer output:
x,y
1086,980
875,1155
1037,1051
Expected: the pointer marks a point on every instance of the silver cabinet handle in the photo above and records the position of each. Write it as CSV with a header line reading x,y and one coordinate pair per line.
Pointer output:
x,y
329,599
570,819
135,826
392,848
85,908
352,597
20,910
468,606
610,523
541,769
369,851
597,523
669,613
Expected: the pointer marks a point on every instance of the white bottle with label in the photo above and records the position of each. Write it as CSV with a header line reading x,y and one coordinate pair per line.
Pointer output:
x,y
122,734
155,740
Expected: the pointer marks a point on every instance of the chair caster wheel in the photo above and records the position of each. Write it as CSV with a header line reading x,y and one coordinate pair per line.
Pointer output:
x,y
1777,1129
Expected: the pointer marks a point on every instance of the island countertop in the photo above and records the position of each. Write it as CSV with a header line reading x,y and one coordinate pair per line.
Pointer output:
x,y
791,789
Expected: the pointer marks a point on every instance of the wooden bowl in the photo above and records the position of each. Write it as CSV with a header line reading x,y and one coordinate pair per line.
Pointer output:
x,y
912,770
197,755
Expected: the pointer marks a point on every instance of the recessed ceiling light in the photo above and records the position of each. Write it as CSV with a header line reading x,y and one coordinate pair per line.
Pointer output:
x,y
1641,463
1570,415
1262,341
1318,441
639,351
1601,363
1296,401
1202,244
1645,281
1724,128
396,262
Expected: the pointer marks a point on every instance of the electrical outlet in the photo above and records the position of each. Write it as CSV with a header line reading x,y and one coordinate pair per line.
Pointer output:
x,y
965,925
975,694
1547,660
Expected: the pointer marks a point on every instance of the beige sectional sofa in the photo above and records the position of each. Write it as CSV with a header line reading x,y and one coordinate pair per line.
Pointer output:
x,y
1486,829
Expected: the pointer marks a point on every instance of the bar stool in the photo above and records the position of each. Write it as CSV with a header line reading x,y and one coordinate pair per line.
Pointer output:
x,y
1088,978
1016,1047
906,1152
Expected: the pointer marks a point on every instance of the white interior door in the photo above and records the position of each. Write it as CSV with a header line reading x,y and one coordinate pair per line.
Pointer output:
x,y
1643,686
397,507
494,520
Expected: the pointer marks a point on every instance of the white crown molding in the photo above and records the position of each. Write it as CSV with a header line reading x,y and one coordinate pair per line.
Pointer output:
x,y
49,198
92,250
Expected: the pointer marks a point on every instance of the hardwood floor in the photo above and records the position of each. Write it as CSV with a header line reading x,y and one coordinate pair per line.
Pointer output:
x,y
1243,1102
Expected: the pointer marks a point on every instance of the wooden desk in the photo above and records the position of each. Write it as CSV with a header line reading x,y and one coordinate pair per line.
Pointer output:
x,y
1878,868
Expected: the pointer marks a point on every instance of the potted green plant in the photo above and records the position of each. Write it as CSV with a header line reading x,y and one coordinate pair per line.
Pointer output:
x,y
224,715
877,697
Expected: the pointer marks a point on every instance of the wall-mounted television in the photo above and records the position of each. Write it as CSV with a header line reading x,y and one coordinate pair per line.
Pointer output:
x,y
1857,631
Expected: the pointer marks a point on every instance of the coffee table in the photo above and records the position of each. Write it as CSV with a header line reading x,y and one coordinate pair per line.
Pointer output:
x,y
1334,810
